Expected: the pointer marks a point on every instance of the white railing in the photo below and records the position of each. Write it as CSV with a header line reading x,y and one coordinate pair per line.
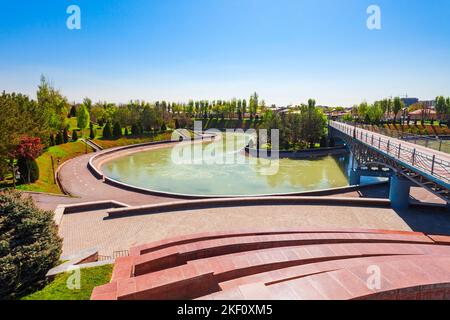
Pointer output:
x,y
429,164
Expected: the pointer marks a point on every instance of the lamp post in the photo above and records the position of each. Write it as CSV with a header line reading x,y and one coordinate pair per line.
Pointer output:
x,y
13,174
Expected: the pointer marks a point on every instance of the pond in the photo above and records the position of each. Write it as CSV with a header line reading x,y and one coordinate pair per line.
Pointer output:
x,y
211,170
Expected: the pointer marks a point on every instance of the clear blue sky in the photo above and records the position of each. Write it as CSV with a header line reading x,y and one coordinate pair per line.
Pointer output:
x,y
286,50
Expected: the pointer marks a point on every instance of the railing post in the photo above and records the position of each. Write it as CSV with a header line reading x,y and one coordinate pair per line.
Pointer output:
x,y
399,151
388,146
414,158
432,165
379,143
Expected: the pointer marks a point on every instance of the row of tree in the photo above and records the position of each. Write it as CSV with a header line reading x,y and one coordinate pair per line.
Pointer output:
x,y
301,127
377,112
443,108
387,109
46,120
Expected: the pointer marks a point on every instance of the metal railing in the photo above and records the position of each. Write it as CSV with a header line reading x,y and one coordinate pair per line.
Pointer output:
x,y
434,143
429,164
116,254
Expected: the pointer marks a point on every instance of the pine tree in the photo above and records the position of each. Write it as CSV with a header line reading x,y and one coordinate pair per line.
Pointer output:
x,y
74,136
107,133
92,132
117,130
59,139
65,135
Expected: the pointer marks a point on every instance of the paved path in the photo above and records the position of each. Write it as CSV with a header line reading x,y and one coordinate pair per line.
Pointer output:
x,y
89,229
79,182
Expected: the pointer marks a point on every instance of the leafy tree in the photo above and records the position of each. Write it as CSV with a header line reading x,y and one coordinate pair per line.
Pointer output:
x,y
30,245
442,108
87,103
52,105
397,107
375,113
83,118
26,152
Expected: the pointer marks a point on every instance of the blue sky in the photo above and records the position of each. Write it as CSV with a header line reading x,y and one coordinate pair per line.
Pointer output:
x,y
286,50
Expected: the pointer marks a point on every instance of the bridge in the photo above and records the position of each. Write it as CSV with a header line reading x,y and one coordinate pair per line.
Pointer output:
x,y
405,163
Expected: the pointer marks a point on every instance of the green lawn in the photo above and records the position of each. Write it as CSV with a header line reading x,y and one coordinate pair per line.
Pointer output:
x,y
126,141
57,289
62,152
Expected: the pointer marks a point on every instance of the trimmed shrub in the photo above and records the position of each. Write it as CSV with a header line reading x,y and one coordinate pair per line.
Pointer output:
x,y
29,245
324,142
52,140
117,130
74,136
29,170
92,132
107,133
73,112
59,139
65,136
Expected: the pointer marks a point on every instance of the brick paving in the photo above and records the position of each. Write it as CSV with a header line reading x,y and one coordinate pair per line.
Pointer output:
x,y
89,229
298,264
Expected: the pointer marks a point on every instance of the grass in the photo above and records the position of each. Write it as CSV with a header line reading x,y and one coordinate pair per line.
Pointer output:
x,y
126,141
57,289
62,152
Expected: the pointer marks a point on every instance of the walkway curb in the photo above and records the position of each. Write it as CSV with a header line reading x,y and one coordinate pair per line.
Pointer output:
x,y
244,202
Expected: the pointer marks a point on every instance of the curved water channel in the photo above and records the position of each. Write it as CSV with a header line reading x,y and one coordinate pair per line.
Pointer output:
x,y
221,168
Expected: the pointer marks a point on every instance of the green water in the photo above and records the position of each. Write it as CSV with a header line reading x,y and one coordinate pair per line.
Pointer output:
x,y
156,170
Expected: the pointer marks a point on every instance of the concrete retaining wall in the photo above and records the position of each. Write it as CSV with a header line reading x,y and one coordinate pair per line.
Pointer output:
x,y
301,154
245,202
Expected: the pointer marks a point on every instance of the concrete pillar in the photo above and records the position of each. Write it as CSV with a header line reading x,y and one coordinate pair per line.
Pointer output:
x,y
399,192
355,177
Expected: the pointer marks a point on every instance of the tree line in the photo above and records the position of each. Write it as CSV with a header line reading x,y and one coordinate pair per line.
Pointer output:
x,y
300,127
30,126
391,110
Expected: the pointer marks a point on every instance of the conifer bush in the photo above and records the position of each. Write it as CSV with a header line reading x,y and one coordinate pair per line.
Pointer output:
x,y
29,245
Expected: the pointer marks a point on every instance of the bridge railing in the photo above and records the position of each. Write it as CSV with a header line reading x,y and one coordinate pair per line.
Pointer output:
x,y
425,141
429,164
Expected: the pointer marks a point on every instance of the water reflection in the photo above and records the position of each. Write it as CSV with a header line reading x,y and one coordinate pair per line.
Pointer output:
x,y
155,170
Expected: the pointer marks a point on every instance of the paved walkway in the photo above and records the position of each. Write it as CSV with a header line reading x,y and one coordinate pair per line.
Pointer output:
x,y
79,182
90,230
